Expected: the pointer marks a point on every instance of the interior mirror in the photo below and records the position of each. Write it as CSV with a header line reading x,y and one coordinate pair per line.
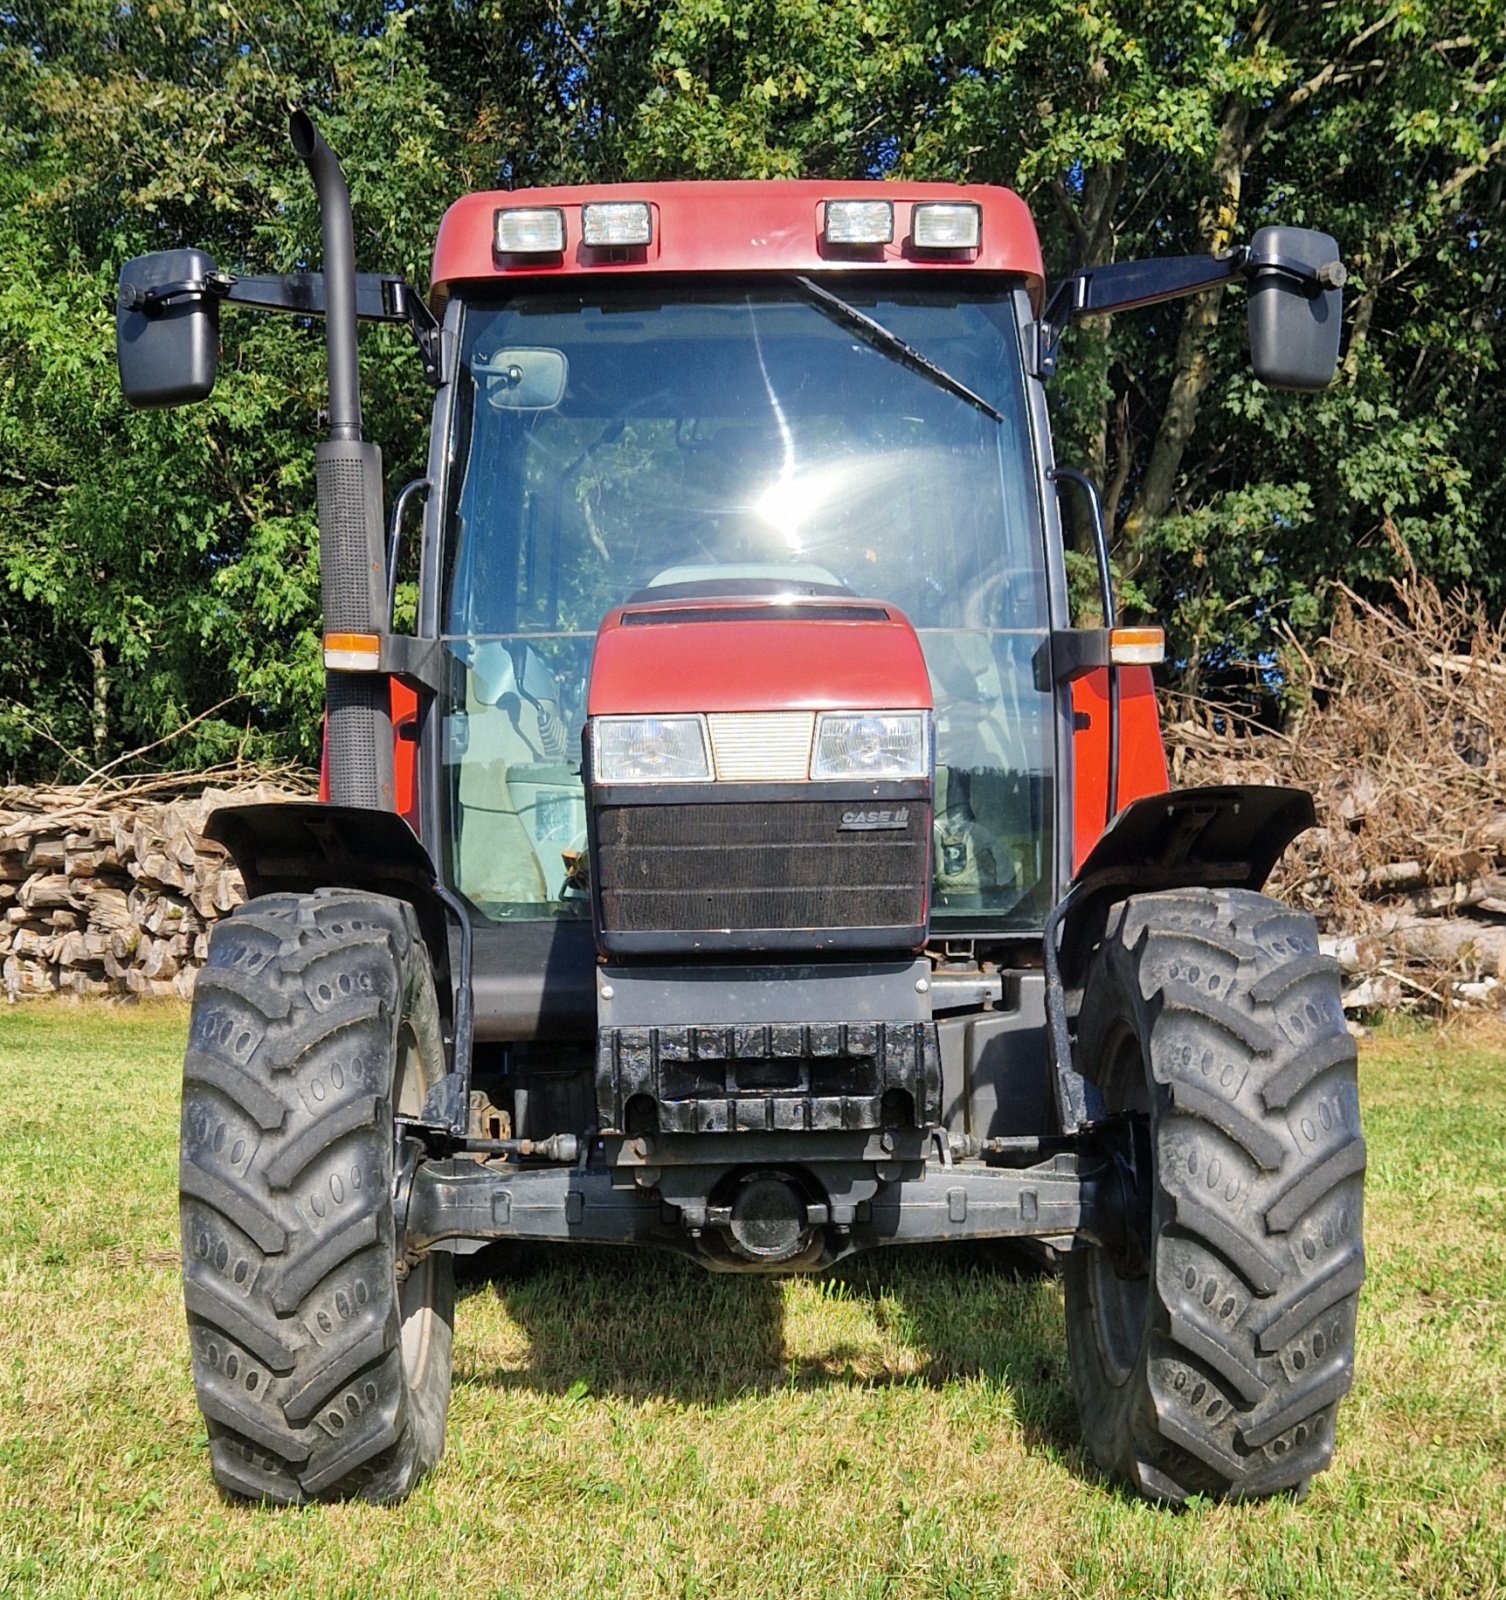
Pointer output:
x,y
167,328
522,379
1295,321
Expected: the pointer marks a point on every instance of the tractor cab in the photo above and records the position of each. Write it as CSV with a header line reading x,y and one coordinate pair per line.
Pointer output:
x,y
611,442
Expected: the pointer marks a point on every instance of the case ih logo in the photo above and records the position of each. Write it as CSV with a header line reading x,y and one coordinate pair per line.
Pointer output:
x,y
869,821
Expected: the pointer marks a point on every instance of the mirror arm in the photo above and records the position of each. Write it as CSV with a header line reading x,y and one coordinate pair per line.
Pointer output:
x,y
153,301
380,297
1128,285
1331,275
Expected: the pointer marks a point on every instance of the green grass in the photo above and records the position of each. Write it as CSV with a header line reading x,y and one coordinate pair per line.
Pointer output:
x,y
630,1425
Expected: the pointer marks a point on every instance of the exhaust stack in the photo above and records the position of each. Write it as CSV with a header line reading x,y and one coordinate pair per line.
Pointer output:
x,y
352,553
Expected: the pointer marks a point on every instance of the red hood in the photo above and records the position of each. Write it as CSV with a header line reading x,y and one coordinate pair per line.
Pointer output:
x,y
756,655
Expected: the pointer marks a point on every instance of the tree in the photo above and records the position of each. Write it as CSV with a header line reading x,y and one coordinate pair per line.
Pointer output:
x,y
1132,129
160,568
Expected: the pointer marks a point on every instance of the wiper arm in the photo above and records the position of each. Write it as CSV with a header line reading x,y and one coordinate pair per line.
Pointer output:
x,y
890,344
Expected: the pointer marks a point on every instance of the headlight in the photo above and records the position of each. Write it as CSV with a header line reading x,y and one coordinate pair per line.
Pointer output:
x,y
650,750
872,744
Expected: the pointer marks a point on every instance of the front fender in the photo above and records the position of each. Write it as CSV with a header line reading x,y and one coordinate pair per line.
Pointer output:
x,y
296,846
1228,837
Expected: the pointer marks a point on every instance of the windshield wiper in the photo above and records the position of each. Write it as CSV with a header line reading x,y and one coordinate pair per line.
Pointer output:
x,y
890,344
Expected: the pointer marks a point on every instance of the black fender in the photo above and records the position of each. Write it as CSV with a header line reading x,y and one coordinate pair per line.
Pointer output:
x,y
297,846
1227,837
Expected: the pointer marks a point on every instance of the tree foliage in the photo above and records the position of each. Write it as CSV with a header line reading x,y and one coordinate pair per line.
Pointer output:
x,y
156,569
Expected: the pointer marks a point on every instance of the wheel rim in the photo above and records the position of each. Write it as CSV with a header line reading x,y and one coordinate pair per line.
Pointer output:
x,y
415,1291
1120,1295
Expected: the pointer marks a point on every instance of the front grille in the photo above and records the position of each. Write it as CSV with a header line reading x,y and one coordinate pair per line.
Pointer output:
x,y
762,746
762,865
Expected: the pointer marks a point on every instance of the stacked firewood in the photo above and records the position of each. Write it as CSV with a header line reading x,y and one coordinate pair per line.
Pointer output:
x,y
1399,730
113,893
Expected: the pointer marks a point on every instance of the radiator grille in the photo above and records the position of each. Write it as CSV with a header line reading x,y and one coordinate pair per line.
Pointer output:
x,y
762,746
778,865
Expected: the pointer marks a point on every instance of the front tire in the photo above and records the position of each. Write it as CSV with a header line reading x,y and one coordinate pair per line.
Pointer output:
x,y
1211,1361
321,1352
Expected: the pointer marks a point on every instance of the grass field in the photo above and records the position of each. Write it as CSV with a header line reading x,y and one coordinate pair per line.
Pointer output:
x,y
634,1426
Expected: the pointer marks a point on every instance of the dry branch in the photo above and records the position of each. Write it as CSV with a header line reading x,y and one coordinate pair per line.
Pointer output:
x,y
1402,739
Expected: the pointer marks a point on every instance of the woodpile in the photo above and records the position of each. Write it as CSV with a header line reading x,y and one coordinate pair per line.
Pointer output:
x,y
1397,725
1400,733
114,893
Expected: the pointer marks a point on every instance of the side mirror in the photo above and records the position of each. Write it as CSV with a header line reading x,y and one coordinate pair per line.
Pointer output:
x,y
167,328
1295,321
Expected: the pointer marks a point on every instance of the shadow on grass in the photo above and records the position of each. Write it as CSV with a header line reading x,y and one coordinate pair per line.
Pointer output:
x,y
646,1325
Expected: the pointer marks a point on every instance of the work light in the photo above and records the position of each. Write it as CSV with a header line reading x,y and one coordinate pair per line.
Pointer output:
x,y
605,223
946,225
859,222
530,231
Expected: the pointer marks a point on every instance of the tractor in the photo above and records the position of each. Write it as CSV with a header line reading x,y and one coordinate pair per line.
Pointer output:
x,y
745,854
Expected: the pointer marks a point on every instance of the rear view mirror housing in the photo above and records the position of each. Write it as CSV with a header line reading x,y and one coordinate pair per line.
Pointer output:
x,y
523,379
1294,320
167,328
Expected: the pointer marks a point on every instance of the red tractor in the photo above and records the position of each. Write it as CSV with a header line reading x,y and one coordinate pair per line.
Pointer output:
x,y
746,855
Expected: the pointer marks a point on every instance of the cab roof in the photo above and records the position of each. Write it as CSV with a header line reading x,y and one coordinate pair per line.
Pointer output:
x,y
735,227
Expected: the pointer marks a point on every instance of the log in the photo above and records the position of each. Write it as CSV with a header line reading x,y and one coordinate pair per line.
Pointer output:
x,y
123,834
219,889
145,988
157,912
84,983
1454,944
1447,898
46,853
30,942
1395,875
159,960
27,977
1373,994
1492,833
1354,954
110,910
47,891
159,868
82,863
76,950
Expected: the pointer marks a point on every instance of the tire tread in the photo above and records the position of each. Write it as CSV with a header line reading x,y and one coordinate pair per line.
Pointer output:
x,y
1258,1210
287,1141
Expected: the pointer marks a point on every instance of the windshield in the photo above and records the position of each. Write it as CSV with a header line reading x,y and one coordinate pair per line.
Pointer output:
x,y
612,441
